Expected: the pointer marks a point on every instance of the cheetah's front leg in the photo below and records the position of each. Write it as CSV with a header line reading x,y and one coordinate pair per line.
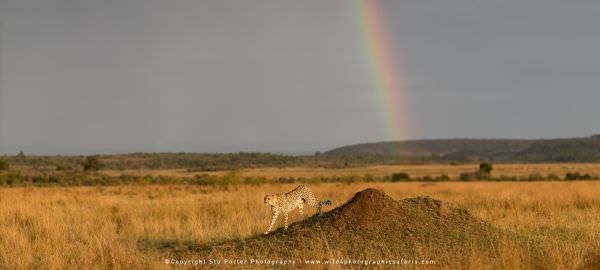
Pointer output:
x,y
274,214
301,209
285,218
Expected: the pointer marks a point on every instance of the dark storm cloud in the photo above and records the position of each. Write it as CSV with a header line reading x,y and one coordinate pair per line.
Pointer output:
x,y
148,75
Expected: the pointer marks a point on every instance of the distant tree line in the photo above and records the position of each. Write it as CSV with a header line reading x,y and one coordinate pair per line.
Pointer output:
x,y
208,162
89,178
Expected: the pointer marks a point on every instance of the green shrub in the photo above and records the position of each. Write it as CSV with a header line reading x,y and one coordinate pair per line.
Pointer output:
x,y
570,176
4,165
397,177
91,163
443,178
485,168
21,157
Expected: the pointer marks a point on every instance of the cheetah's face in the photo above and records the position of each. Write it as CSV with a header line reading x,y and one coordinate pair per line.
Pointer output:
x,y
269,199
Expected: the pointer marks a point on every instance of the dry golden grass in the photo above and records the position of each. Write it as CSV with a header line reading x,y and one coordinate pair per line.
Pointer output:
x,y
125,227
453,171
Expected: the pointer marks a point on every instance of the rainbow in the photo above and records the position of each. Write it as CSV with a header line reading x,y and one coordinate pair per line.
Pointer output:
x,y
386,78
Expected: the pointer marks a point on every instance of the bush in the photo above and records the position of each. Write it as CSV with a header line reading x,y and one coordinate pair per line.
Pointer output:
x,y
397,177
91,163
21,157
443,178
485,168
4,165
570,176
472,176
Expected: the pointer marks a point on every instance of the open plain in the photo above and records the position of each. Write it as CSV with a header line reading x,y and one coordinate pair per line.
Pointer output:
x,y
132,227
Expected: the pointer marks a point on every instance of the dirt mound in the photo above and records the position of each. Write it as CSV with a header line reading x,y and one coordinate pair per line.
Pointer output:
x,y
374,226
371,211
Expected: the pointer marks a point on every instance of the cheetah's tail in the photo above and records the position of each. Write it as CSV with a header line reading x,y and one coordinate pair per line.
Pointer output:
x,y
326,203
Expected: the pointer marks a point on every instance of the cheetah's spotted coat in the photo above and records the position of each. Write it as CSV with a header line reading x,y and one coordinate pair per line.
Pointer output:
x,y
284,203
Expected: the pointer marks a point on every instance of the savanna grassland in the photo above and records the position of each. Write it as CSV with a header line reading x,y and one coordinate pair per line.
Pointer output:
x,y
133,227
452,170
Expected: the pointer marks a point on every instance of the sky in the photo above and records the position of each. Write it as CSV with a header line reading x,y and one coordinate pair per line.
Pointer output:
x,y
282,76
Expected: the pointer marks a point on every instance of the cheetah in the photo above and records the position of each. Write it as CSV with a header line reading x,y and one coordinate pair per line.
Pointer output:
x,y
284,203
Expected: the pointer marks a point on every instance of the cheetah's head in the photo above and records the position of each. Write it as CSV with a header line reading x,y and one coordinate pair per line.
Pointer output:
x,y
270,199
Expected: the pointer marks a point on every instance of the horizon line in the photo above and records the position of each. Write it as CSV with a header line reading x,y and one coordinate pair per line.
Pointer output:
x,y
289,153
